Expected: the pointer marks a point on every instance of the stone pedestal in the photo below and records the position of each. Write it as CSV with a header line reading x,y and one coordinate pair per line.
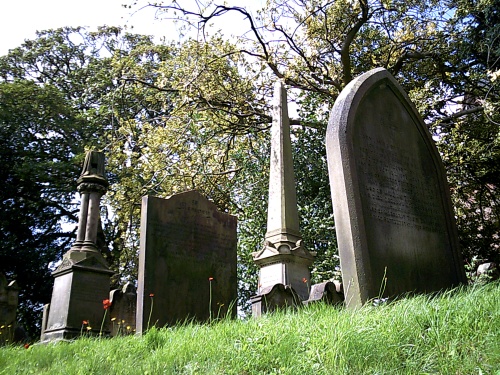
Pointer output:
x,y
285,265
80,287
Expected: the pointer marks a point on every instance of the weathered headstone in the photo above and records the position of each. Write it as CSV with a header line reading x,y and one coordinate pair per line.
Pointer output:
x,y
187,261
9,293
82,280
283,259
393,215
272,298
328,291
123,310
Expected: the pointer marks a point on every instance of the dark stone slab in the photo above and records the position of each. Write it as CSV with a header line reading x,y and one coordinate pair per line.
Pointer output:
x,y
272,298
394,219
187,255
78,295
9,293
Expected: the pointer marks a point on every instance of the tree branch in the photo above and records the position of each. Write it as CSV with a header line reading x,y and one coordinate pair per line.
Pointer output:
x,y
346,44
125,79
465,112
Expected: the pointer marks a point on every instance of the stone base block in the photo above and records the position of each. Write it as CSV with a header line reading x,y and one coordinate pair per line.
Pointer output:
x,y
77,303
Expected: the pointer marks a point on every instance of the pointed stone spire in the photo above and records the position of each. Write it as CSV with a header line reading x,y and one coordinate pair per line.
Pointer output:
x,y
283,260
282,213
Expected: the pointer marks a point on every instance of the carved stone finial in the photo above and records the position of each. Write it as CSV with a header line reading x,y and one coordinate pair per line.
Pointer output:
x,y
93,169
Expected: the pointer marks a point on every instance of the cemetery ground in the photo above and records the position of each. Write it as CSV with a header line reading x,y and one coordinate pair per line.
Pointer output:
x,y
456,332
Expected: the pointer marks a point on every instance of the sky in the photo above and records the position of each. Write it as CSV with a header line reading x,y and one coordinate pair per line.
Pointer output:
x,y
19,20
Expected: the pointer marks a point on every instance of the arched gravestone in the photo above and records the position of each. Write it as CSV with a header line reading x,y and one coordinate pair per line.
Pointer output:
x,y
393,215
187,261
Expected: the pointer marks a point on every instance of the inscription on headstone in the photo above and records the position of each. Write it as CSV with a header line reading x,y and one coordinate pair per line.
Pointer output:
x,y
187,261
393,215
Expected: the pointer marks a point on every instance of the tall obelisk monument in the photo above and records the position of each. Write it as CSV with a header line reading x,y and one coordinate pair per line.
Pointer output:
x,y
283,260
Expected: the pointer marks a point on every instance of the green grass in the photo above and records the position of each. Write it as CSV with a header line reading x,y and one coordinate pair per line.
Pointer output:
x,y
457,332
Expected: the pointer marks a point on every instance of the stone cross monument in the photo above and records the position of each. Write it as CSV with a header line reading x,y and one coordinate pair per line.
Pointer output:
x,y
283,260
82,281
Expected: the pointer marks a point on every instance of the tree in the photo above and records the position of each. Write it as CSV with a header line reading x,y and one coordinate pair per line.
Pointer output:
x,y
37,171
444,53
469,137
139,103
208,140
57,100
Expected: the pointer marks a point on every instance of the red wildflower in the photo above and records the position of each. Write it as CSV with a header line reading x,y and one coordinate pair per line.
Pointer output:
x,y
26,346
304,280
106,303
210,278
151,295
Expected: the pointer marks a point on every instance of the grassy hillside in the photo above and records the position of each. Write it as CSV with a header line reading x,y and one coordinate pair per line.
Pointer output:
x,y
455,333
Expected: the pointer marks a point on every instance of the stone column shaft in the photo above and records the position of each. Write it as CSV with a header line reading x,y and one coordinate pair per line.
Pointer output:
x,y
92,185
92,220
82,220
